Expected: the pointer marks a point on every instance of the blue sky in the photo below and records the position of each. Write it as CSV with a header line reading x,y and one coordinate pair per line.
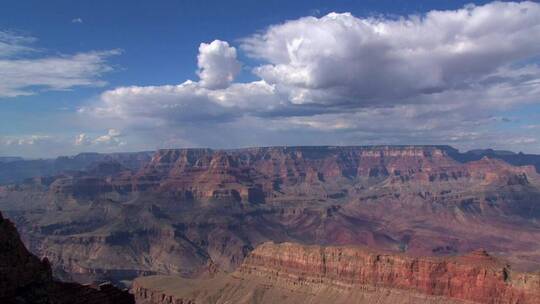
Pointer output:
x,y
72,63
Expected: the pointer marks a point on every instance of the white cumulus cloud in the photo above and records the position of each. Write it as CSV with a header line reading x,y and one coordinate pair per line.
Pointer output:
x,y
340,58
113,137
440,77
28,140
82,140
217,63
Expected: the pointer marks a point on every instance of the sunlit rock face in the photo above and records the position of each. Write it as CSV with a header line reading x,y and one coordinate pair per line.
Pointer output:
x,y
297,273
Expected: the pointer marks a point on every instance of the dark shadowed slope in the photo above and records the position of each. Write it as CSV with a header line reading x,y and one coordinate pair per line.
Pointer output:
x,y
26,279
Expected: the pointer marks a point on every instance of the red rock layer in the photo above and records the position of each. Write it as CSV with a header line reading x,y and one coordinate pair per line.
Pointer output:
x,y
257,174
190,206
476,277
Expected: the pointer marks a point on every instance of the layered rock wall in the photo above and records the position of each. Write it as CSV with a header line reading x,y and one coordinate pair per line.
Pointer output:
x,y
476,277
256,175
291,273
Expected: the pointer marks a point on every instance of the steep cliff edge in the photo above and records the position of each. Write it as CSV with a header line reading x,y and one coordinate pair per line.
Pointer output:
x,y
293,273
476,277
26,279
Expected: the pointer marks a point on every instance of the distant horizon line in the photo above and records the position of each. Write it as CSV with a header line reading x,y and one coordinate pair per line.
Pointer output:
x,y
267,147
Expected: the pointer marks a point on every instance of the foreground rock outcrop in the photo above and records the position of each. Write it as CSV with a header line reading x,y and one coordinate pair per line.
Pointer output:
x,y
26,279
293,273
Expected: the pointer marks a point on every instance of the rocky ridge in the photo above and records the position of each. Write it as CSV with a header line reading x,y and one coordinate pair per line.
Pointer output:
x,y
255,175
16,169
297,273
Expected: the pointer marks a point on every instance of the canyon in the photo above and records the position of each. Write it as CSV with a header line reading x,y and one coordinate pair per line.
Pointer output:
x,y
203,214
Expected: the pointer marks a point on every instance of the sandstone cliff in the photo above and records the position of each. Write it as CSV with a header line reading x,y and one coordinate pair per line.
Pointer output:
x,y
292,273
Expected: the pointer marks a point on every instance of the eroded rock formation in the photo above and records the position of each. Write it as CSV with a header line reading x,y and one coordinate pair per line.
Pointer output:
x,y
190,211
312,274
476,276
